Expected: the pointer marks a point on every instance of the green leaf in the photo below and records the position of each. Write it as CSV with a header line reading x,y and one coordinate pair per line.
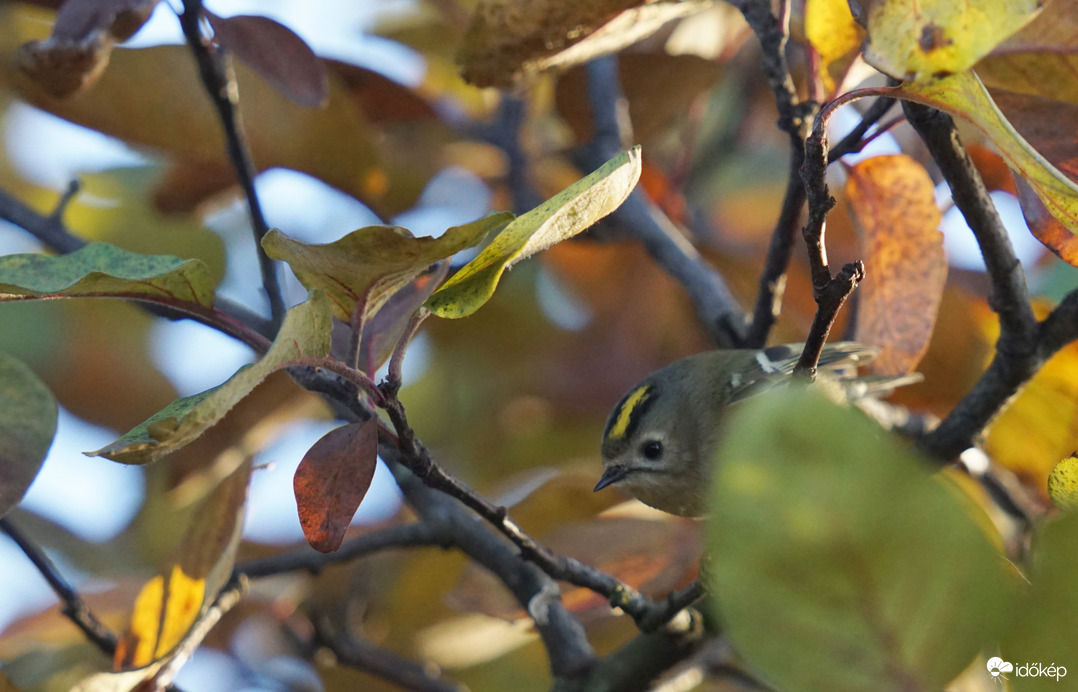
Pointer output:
x,y
964,95
921,39
305,333
1047,613
838,561
27,426
375,261
104,270
567,213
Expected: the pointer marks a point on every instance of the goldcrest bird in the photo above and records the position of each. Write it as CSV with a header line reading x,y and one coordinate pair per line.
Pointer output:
x,y
661,437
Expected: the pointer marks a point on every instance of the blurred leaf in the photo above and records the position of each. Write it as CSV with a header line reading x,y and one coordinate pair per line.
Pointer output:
x,y
509,42
658,86
1046,616
372,263
832,31
276,53
332,480
136,103
27,425
893,201
305,333
104,270
1039,426
170,604
923,39
77,53
964,95
567,213
1045,227
6,685
830,543
385,329
1063,483
1041,59
992,167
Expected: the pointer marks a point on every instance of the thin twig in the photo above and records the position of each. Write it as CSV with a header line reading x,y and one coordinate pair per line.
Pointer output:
x,y
418,534
378,661
855,140
74,607
396,361
220,84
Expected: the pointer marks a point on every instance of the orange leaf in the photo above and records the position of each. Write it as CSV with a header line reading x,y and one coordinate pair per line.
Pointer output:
x,y
332,480
164,613
905,269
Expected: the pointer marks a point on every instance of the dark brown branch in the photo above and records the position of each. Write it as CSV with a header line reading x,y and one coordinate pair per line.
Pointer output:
x,y
794,118
1023,344
830,292
715,305
73,607
855,141
220,84
367,657
402,536
1010,296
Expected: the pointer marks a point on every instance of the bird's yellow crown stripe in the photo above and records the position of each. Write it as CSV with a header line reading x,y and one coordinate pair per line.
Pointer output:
x,y
625,413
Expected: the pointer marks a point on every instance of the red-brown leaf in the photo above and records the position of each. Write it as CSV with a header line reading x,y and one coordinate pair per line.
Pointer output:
x,y
276,53
332,480
905,268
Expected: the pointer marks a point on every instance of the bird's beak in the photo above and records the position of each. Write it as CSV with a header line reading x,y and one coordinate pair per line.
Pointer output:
x,y
611,475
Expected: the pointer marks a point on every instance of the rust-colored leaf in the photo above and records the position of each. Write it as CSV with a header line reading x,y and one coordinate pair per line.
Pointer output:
x,y
905,269
993,169
332,480
77,52
276,53
1045,227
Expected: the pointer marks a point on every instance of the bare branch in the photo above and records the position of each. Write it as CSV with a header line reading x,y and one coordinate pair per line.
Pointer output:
x,y
74,607
715,305
220,84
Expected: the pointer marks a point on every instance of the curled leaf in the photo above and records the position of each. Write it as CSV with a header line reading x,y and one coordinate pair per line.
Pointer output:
x,y
373,263
332,480
567,213
305,333
104,270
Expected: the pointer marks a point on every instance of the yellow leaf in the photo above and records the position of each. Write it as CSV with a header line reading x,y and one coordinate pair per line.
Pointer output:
x,y
832,31
922,39
162,616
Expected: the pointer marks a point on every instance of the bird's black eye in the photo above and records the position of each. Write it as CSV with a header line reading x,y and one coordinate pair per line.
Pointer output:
x,y
652,450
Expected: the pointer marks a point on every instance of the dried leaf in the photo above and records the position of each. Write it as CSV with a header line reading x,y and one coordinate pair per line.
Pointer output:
x,y
332,480
509,42
77,52
27,425
923,39
372,263
104,270
386,327
170,604
305,333
1045,227
276,53
567,213
893,201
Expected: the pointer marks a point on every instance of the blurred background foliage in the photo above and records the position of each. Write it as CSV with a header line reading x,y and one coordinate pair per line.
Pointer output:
x,y
512,400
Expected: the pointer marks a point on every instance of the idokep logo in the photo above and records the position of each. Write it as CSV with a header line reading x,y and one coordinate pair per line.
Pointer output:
x,y
997,667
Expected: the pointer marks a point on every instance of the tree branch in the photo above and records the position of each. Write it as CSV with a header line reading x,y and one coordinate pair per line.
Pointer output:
x,y
715,305
220,84
73,607
1023,344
